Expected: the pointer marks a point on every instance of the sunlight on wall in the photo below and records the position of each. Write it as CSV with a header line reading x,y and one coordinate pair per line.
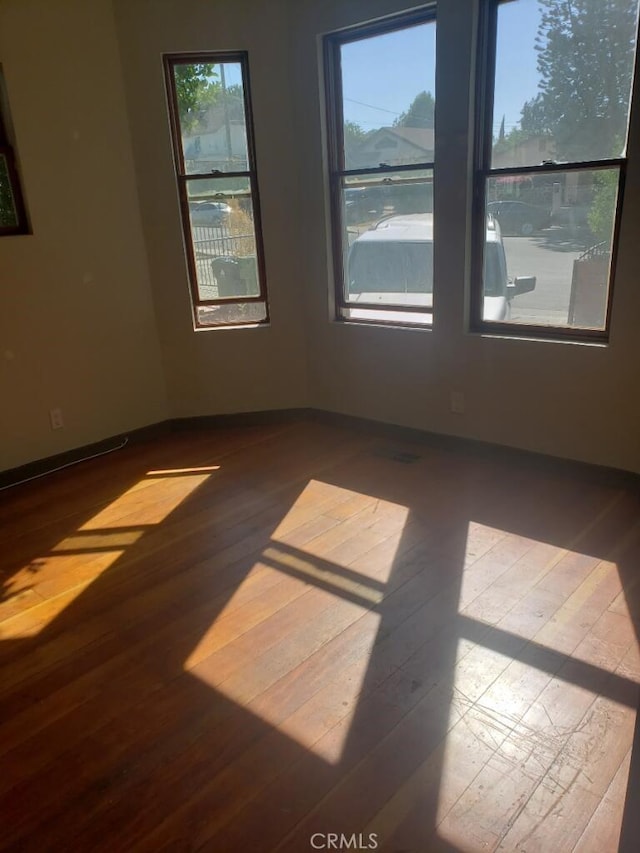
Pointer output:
x,y
301,662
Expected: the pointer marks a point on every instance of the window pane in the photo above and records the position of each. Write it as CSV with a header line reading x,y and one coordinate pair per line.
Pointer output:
x,y
399,318
231,315
212,117
558,228
368,199
563,80
8,215
388,240
223,238
388,86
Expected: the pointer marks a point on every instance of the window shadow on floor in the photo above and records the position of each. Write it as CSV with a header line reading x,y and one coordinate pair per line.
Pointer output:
x,y
222,686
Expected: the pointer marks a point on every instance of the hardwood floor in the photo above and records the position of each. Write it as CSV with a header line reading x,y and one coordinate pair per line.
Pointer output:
x,y
246,639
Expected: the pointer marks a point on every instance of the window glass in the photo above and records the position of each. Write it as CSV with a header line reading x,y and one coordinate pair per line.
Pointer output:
x,y
233,314
13,214
563,80
213,125
388,95
381,84
388,232
218,189
8,213
553,161
223,238
562,234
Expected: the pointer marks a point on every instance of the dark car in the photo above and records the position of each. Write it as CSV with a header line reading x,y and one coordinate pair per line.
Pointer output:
x,y
518,217
363,203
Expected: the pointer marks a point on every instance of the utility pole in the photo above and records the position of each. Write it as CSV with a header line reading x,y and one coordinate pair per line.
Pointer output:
x,y
225,105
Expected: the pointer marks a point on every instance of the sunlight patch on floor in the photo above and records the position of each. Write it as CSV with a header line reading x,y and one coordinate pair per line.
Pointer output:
x,y
137,506
305,692
302,663
98,541
171,472
41,590
543,697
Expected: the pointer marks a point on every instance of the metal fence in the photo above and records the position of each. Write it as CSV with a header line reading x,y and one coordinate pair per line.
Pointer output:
x,y
600,250
225,245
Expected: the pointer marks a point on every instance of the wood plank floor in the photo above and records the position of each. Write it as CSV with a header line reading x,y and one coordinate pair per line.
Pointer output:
x,y
263,638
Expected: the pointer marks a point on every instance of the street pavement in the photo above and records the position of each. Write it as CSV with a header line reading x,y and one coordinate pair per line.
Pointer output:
x,y
549,256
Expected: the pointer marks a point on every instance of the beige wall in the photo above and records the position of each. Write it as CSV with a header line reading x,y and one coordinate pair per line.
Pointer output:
x,y
221,370
563,399
77,326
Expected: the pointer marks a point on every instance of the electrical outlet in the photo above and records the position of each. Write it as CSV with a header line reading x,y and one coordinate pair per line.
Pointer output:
x,y
55,416
457,402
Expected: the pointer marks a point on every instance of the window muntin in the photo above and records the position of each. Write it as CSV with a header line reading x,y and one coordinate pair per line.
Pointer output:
x,y
13,216
215,169
380,85
551,157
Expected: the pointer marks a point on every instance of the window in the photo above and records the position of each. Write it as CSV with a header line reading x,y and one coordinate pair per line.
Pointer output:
x,y
215,168
551,161
381,118
13,216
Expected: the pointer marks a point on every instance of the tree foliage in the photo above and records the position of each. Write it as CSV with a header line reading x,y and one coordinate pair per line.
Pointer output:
x,y
233,98
353,133
507,141
421,112
197,87
585,61
601,213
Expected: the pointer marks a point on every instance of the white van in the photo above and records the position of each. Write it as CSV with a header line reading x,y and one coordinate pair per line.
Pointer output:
x,y
392,264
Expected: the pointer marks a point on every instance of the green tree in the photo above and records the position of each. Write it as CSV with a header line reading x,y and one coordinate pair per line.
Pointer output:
x,y
602,211
603,204
506,141
197,87
585,61
421,112
353,133
353,137
232,101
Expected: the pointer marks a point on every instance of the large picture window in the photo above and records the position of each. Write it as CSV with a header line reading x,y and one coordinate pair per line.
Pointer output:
x,y
215,168
551,160
380,82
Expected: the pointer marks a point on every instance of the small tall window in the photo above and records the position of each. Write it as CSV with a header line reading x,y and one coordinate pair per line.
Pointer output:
x,y
381,119
551,160
215,167
13,216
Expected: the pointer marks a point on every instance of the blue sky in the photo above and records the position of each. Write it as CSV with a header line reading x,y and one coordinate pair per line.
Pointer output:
x,y
381,76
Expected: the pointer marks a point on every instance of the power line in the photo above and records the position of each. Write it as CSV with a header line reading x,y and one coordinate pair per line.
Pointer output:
x,y
371,107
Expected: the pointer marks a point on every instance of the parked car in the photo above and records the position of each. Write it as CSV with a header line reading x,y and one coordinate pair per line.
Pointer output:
x,y
518,217
214,213
392,264
361,203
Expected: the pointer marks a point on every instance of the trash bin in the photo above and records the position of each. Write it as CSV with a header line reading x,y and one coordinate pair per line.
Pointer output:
x,y
226,271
